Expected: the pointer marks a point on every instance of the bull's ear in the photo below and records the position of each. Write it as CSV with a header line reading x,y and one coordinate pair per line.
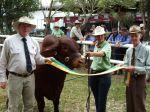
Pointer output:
x,y
67,59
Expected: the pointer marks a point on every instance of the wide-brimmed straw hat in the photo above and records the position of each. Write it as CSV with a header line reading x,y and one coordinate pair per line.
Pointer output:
x,y
134,29
23,19
99,31
77,22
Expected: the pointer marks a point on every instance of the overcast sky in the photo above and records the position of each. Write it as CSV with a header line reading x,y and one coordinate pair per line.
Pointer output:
x,y
45,3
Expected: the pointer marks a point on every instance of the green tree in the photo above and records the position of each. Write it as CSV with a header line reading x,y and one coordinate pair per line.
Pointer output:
x,y
70,6
11,10
48,18
99,7
81,7
143,8
119,10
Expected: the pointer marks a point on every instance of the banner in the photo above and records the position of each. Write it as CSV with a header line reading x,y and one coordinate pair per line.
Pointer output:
x,y
64,68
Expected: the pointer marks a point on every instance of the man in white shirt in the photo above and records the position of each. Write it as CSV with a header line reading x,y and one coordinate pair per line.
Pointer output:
x,y
20,58
76,31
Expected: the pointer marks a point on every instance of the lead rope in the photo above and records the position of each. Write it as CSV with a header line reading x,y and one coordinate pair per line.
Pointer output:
x,y
87,59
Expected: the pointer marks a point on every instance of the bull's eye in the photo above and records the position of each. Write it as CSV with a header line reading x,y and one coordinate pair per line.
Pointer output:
x,y
66,59
55,53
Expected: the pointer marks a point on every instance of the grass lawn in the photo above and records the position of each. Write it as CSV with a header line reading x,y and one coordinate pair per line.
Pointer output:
x,y
75,92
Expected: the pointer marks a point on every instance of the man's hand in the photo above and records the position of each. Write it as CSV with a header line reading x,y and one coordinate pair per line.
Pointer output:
x,y
3,85
130,69
81,39
118,44
48,60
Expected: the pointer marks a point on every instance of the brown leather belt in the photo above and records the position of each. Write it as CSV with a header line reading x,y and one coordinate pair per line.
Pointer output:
x,y
136,75
21,75
97,71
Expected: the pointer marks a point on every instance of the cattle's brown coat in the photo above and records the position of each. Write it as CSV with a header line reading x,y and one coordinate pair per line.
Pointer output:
x,y
50,80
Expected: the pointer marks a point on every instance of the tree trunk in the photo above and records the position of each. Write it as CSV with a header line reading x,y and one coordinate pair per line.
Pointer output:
x,y
47,25
143,11
48,19
147,33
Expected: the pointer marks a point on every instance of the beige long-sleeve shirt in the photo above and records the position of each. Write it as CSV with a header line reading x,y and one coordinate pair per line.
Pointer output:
x,y
76,32
13,55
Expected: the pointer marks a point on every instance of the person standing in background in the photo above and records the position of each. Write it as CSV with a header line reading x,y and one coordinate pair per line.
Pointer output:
x,y
90,37
92,28
68,31
57,32
142,27
19,57
114,39
76,31
126,39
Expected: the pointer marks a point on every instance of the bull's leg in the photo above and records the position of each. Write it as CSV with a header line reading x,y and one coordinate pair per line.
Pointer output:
x,y
56,105
7,101
40,103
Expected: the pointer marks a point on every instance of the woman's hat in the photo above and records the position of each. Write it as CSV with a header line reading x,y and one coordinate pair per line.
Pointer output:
x,y
99,31
134,29
23,19
56,25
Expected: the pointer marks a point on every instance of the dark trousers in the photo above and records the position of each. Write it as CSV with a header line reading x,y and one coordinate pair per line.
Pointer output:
x,y
100,86
136,94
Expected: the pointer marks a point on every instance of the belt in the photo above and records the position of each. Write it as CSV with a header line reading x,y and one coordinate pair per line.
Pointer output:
x,y
97,71
21,75
136,75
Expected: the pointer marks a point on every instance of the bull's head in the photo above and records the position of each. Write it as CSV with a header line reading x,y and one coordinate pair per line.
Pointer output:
x,y
49,46
69,53
63,49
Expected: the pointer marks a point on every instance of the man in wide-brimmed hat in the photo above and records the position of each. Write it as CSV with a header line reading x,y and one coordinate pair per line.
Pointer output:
x,y
124,39
101,61
24,20
76,31
19,56
137,61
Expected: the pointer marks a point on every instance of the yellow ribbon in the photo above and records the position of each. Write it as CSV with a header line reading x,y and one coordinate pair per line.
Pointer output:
x,y
66,69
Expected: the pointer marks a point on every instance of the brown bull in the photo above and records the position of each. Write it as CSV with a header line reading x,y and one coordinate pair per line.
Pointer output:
x,y
49,81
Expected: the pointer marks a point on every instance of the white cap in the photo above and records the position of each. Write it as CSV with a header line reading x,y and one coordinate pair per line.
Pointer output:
x,y
141,25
